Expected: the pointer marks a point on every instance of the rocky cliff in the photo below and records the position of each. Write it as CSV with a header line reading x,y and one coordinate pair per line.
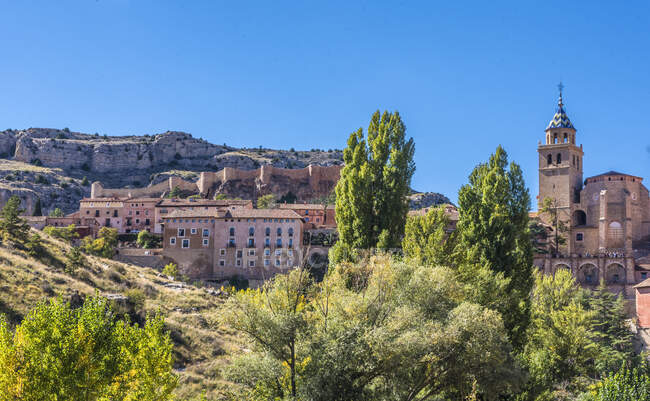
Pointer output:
x,y
63,158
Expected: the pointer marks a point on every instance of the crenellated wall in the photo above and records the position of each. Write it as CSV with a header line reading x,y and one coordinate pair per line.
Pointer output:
x,y
306,183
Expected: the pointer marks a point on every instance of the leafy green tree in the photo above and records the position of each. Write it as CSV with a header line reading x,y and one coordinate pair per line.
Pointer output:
x,y
12,226
371,203
560,348
493,232
611,333
103,245
57,213
625,385
147,240
376,330
84,181
175,192
428,239
538,235
67,234
266,202
37,208
58,352
550,208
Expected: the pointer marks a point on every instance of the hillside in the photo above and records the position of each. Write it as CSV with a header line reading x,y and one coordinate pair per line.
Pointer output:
x,y
201,346
125,161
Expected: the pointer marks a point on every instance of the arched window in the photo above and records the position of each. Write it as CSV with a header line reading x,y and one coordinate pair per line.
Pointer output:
x,y
549,159
555,138
267,231
251,231
566,138
279,243
290,231
615,237
579,218
559,158
232,231
279,231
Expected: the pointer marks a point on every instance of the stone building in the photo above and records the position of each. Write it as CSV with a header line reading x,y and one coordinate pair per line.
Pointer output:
x,y
314,215
607,216
219,244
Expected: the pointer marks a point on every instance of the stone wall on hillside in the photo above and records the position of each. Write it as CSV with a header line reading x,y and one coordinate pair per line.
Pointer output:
x,y
307,183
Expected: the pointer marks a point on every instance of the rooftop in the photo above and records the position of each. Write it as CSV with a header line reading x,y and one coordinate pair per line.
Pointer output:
x,y
204,202
263,213
303,206
560,119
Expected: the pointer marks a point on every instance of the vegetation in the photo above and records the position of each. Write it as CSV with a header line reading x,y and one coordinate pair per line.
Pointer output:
x,y
58,352
550,208
103,245
13,228
175,192
84,181
148,240
171,270
371,203
37,208
67,234
493,234
369,331
428,240
57,213
266,202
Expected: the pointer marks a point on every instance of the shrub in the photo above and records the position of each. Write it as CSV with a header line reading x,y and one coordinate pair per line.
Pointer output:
x,y
84,181
34,246
74,260
171,269
57,212
103,245
66,130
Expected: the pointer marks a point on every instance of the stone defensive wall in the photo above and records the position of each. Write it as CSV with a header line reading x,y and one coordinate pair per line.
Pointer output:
x,y
208,180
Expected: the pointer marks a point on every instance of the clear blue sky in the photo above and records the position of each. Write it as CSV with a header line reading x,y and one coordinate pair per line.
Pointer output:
x,y
466,76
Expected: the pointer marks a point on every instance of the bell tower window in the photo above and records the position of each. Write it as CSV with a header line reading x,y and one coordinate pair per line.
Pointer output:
x,y
559,158
549,159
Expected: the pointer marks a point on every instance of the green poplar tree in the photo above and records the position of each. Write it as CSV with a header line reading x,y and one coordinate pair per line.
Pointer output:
x,y
428,240
371,203
494,233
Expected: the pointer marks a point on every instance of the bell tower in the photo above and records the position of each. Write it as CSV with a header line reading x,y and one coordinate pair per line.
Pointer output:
x,y
560,164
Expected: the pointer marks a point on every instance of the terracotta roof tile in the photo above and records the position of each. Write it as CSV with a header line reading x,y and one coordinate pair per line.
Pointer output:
x,y
263,213
303,206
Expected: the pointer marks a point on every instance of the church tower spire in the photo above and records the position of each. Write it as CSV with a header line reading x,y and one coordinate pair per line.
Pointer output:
x,y
560,163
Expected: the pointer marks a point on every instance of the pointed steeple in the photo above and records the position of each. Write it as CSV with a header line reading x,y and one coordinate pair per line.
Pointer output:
x,y
560,119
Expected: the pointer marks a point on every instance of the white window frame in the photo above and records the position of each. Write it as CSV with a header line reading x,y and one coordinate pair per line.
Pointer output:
x,y
206,232
267,262
251,263
172,240
222,251
183,243
251,252
267,252
193,230
238,262
206,242
278,252
278,262
180,232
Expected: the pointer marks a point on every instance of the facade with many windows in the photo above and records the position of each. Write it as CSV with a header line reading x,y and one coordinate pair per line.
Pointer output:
x,y
251,243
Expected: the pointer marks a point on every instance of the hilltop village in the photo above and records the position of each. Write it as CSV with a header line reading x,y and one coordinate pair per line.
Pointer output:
x,y
605,219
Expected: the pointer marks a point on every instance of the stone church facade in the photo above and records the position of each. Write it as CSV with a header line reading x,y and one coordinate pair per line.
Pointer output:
x,y
607,216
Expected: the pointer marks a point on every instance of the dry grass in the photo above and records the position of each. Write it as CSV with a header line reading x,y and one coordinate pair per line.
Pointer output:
x,y
12,165
202,346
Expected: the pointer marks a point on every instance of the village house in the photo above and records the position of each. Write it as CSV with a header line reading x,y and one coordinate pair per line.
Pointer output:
x,y
314,215
219,244
165,206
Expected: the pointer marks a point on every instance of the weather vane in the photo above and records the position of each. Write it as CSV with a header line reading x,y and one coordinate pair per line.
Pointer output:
x,y
560,87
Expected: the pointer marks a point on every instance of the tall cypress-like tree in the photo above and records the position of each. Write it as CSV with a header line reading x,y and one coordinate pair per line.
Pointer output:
x,y
493,226
37,208
371,203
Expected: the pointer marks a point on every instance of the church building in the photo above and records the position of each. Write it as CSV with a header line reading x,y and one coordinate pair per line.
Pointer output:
x,y
606,217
